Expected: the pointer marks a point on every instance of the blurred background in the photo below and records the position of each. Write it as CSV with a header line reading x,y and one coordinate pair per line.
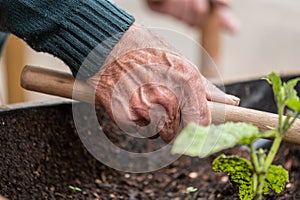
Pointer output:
x,y
268,40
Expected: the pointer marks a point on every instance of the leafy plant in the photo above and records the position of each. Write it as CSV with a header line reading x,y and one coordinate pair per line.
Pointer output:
x,y
253,178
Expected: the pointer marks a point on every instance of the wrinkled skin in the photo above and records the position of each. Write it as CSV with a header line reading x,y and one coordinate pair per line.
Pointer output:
x,y
194,12
147,88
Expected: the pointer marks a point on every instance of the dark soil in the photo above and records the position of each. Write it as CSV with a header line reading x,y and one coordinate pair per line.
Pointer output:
x,y
41,156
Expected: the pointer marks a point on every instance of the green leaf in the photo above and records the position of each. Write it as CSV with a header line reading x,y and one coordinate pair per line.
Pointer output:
x,y
289,88
276,179
274,79
195,140
292,100
240,172
283,91
294,104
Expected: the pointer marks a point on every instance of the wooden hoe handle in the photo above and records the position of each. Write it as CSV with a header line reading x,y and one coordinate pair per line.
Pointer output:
x,y
62,84
211,42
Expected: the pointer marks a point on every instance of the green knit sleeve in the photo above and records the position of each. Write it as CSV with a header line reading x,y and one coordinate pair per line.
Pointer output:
x,y
79,32
2,40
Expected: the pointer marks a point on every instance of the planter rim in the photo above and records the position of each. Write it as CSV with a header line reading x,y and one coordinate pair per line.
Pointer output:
x,y
33,104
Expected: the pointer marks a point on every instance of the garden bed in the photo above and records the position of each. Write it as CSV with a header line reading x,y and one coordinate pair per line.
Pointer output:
x,y
42,157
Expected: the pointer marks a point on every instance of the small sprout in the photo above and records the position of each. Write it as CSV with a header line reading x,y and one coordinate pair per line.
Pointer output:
x,y
77,189
191,193
191,190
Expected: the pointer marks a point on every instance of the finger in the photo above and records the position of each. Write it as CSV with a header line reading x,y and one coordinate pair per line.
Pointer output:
x,y
154,4
194,105
200,6
195,109
224,3
228,20
215,94
155,109
195,13
162,6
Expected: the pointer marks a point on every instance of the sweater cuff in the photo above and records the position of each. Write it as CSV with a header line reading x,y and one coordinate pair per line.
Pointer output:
x,y
87,35
2,41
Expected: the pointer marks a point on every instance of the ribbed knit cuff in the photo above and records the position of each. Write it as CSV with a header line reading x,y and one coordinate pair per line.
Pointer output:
x,y
87,35
2,40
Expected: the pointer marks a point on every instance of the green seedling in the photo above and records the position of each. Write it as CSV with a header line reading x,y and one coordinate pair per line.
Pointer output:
x,y
253,178
191,193
76,189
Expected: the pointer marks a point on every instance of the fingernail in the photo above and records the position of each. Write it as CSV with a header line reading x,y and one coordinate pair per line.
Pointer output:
x,y
235,100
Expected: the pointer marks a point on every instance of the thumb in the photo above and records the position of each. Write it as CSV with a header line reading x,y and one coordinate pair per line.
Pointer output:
x,y
214,94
